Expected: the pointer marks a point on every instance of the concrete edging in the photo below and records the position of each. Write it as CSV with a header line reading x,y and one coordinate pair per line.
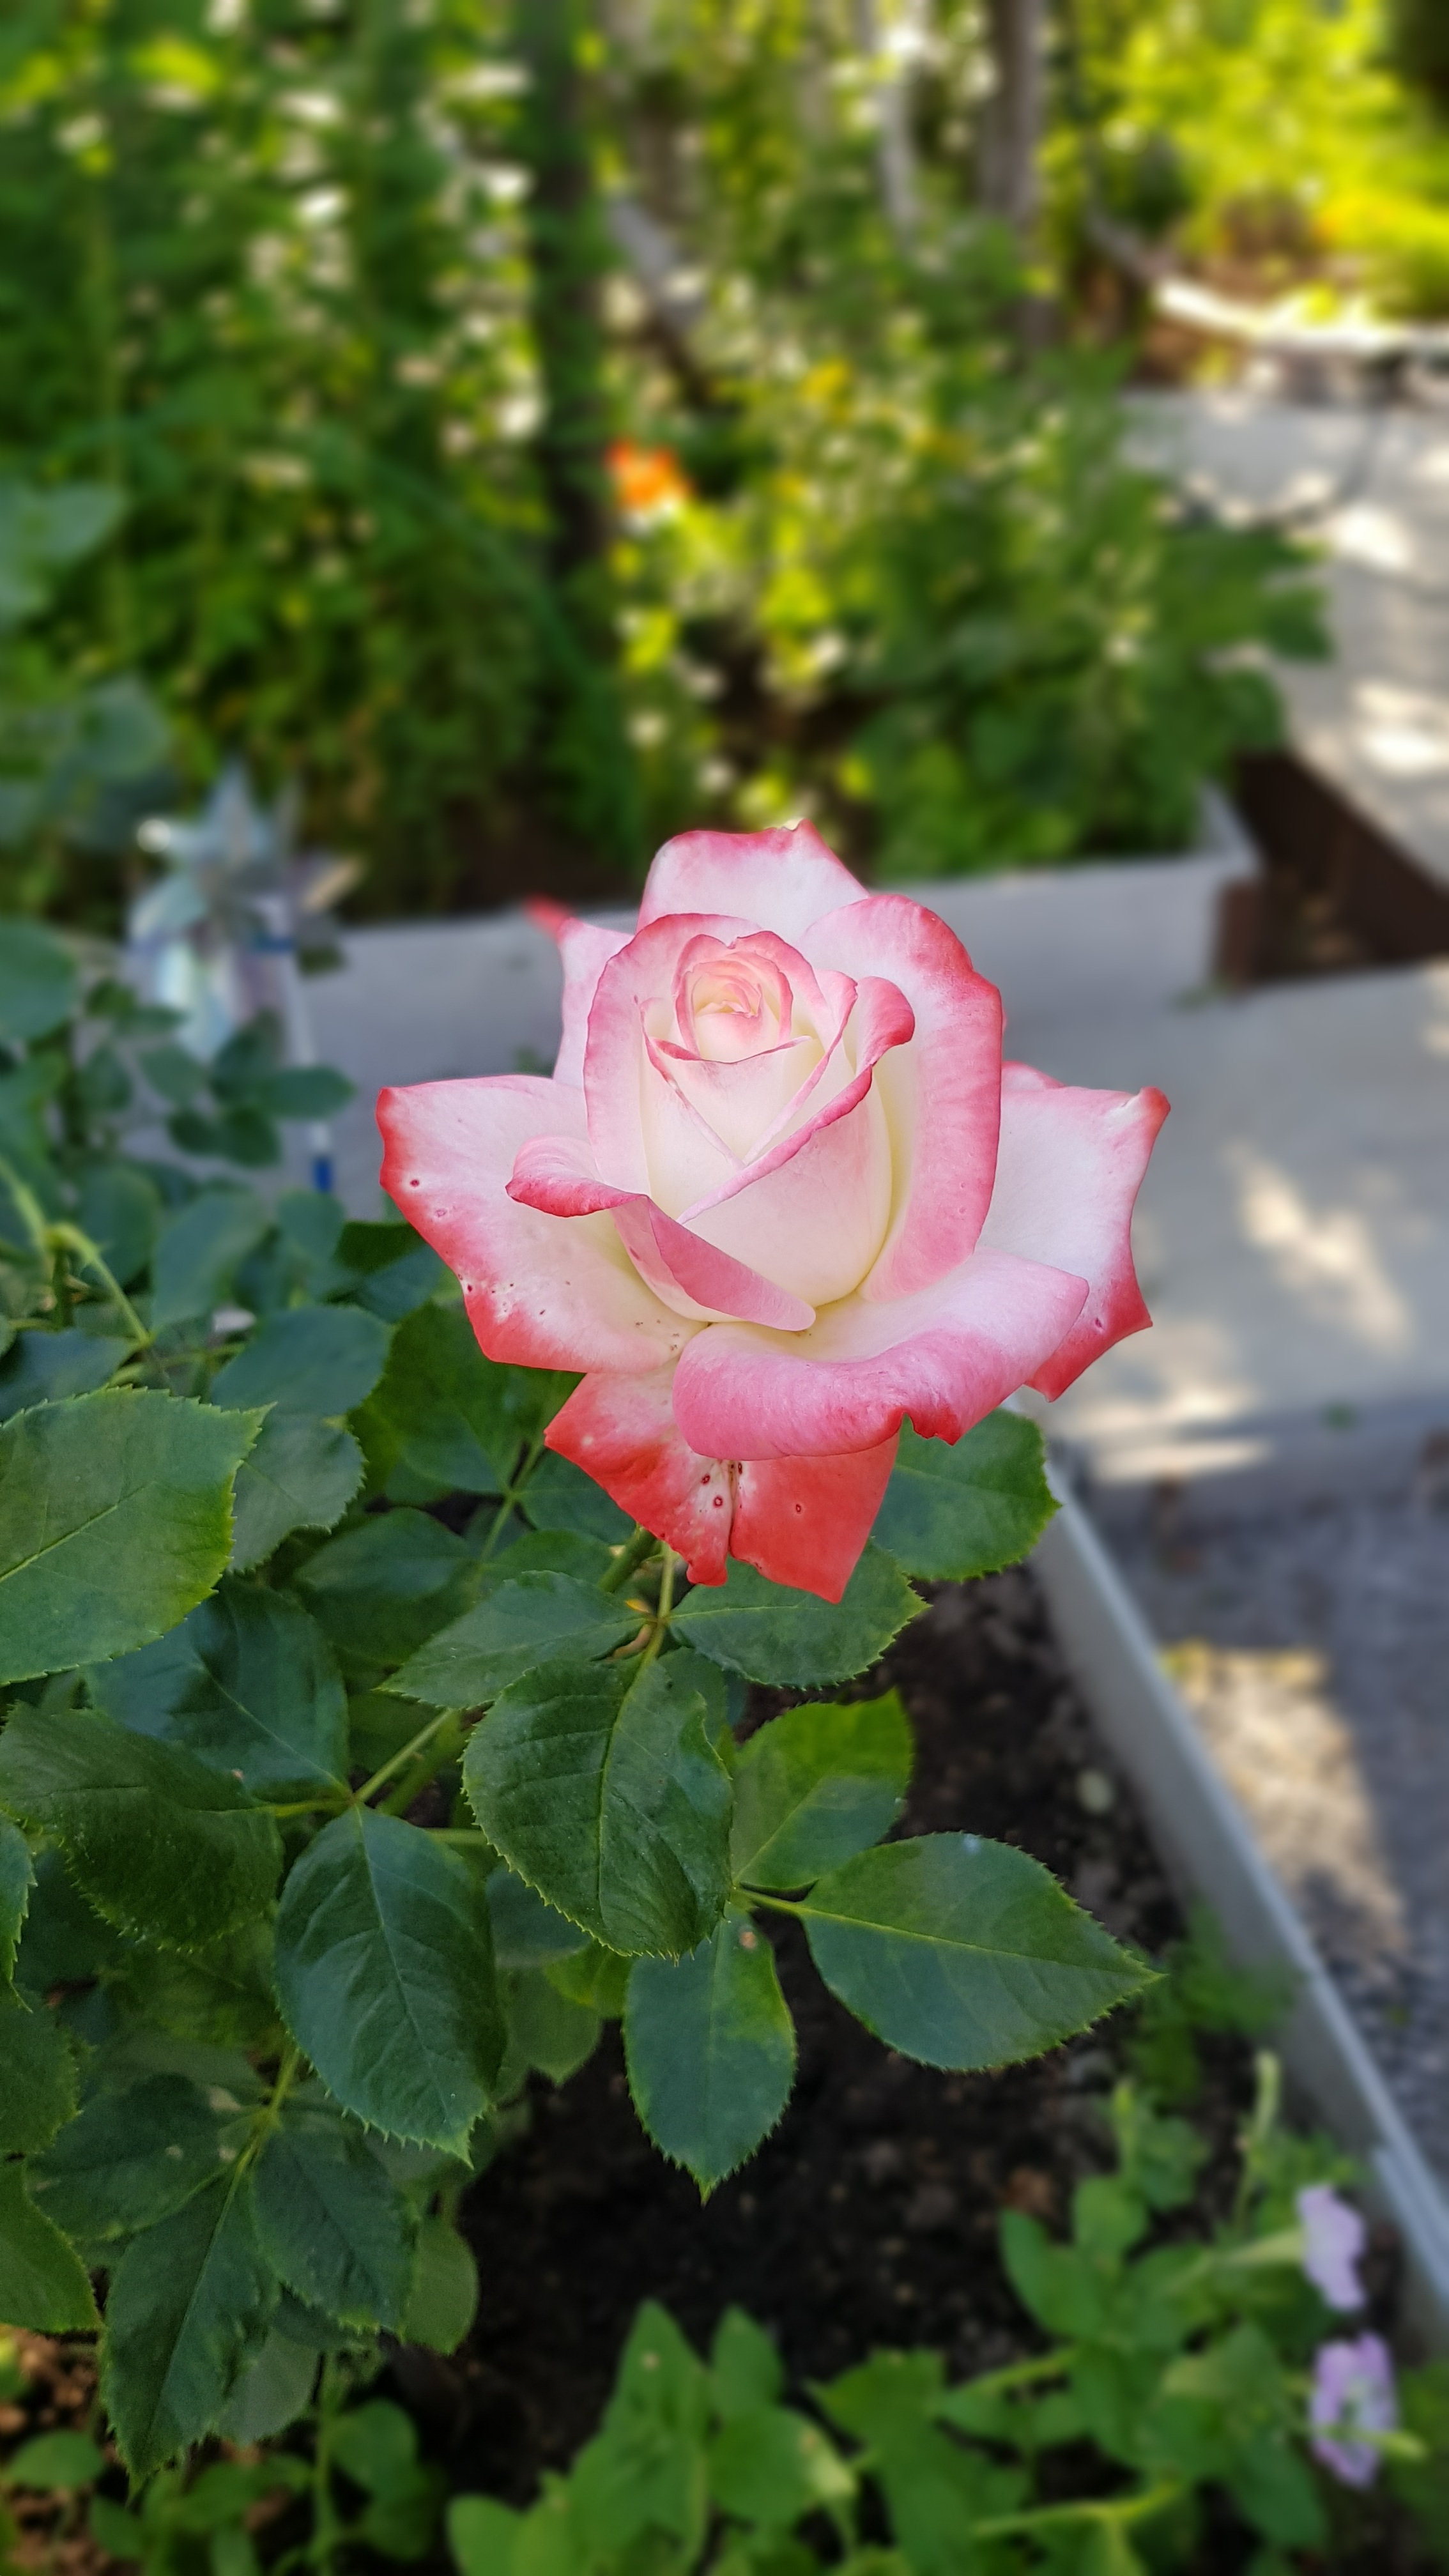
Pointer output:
x,y
1209,1850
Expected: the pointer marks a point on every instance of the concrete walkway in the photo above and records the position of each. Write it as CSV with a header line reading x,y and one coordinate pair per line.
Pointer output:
x,y
1372,486
1293,1237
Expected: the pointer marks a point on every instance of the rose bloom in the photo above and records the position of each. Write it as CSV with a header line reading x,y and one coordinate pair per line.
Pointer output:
x,y
780,1194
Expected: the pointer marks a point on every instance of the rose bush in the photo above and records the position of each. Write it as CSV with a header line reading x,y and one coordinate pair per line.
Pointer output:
x,y
780,1193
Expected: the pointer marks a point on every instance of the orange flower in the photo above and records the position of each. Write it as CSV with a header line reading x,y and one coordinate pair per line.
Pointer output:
x,y
646,478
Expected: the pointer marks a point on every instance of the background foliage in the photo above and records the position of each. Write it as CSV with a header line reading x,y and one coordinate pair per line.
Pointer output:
x,y
346,306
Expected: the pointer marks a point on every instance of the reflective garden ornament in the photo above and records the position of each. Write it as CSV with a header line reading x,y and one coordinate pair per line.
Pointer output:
x,y
218,937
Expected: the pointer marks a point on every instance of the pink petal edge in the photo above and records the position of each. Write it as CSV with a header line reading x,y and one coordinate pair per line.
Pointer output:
x,y
945,1357
537,1292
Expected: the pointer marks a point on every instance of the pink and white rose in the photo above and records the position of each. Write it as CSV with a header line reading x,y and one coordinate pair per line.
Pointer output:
x,y
780,1194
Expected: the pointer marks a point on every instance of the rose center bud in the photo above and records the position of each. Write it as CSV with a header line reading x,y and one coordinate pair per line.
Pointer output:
x,y
745,1060
734,1007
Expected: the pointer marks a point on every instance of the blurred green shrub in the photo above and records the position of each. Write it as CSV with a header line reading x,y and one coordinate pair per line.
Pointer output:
x,y
271,274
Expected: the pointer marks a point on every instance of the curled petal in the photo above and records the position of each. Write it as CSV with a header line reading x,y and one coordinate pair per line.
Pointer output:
x,y
585,949
883,1019
1070,1166
622,1432
804,1521
786,877
945,1357
555,1174
614,1052
940,1093
539,1292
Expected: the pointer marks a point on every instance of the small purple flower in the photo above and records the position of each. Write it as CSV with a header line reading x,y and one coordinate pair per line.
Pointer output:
x,y
1353,2390
1333,2241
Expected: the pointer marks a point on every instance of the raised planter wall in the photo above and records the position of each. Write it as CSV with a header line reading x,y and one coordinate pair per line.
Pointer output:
x,y
1209,1850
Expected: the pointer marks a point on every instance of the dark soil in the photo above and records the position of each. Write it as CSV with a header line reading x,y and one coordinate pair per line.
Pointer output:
x,y
871,2215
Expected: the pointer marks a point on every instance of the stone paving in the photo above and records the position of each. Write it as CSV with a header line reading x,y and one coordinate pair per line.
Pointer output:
x,y
1372,487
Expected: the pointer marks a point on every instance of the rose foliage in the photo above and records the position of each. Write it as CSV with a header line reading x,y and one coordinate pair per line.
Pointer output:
x,y
780,1196
360,1755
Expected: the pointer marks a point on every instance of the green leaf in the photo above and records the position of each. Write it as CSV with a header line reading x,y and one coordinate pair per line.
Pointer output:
x,y
444,2296
446,1414
199,1251
518,1626
115,1520
710,2049
43,2283
44,1368
308,1359
380,1590
772,2466
222,1997
333,2226
304,1091
162,1845
119,1207
527,1933
273,2390
546,2029
744,2366
248,1683
950,1513
384,1970
961,1952
593,1976
64,1942
37,2074
56,2460
549,1551
601,1786
189,2301
771,1633
129,2160
482,2534
17,1877
386,1268
817,1785
116,2532
559,1496
39,985
301,1474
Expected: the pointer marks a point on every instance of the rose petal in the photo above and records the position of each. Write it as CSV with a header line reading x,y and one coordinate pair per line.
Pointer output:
x,y
784,878
585,949
801,1521
1069,1169
537,1292
804,1521
622,1432
555,1174
640,973
940,1093
946,1357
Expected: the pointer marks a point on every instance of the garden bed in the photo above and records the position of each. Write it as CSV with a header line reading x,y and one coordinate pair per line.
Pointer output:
x,y
871,2216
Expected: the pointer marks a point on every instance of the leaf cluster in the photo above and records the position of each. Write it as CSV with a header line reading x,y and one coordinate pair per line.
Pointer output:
x,y
359,1759
1171,2387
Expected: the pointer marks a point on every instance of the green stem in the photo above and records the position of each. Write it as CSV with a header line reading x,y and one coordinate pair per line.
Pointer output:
x,y
1118,2509
327,2529
630,1557
661,1615
399,1760
511,1493
1020,2374
414,1782
92,1259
